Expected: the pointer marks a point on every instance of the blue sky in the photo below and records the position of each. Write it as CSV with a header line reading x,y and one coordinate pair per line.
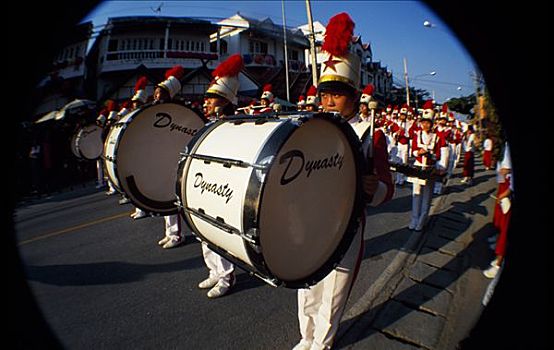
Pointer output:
x,y
394,29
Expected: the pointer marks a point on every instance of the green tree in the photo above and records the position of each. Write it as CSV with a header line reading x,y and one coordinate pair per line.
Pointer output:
x,y
462,105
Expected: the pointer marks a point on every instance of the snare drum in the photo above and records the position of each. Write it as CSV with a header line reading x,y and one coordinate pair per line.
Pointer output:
x,y
87,142
279,197
142,151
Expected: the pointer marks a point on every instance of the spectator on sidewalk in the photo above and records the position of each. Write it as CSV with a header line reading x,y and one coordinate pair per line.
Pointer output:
x,y
502,210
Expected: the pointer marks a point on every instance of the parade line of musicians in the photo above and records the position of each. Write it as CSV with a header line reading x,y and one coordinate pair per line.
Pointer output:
x,y
429,137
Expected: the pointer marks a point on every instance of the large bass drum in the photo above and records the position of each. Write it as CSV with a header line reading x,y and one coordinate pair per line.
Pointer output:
x,y
142,151
279,197
87,142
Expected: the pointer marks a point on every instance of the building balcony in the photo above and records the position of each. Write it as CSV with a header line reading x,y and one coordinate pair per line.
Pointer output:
x,y
121,60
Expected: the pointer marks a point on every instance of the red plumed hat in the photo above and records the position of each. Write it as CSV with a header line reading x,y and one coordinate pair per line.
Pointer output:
x,y
267,94
312,91
175,71
368,90
338,35
141,83
111,105
226,78
230,67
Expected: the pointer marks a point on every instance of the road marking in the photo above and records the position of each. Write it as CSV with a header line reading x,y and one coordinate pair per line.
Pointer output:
x,y
74,228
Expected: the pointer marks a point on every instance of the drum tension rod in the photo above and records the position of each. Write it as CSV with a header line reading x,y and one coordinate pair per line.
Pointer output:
x,y
227,162
220,223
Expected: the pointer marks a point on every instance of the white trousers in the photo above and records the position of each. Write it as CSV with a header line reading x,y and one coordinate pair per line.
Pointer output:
x,y
421,203
321,306
173,227
99,172
402,158
218,266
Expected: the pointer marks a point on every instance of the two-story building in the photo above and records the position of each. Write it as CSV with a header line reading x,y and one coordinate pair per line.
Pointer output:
x,y
262,46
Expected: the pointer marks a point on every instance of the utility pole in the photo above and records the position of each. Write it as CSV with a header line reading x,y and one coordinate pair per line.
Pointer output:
x,y
312,43
406,80
478,101
286,51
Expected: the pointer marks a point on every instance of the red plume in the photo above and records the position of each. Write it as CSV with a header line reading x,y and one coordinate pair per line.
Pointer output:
x,y
268,87
312,91
301,98
104,112
141,83
444,108
338,34
125,104
368,90
176,71
428,104
111,105
230,67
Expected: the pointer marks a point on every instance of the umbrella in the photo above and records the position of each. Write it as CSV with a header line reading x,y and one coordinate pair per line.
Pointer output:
x,y
75,107
48,116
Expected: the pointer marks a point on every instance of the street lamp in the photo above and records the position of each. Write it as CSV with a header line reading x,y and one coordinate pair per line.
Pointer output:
x,y
432,73
428,24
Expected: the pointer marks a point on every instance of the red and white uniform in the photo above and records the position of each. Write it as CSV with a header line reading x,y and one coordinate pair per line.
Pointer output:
x,y
487,153
321,306
468,145
444,133
422,193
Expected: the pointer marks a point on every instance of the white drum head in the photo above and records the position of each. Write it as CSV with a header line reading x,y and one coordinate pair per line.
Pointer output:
x,y
149,151
89,142
308,200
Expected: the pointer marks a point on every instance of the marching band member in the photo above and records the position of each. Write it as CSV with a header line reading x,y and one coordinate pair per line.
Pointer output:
x,y
266,100
164,92
487,152
101,122
445,134
426,146
221,97
400,130
139,99
321,306
312,101
111,119
468,146
367,94
301,103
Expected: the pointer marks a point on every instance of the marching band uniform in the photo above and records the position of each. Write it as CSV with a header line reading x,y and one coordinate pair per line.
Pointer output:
x,y
112,118
101,122
301,103
487,153
321,306
266,100
224,89
502,211
426,146
139,98
468,145
165,91
312,102
443,133
400,130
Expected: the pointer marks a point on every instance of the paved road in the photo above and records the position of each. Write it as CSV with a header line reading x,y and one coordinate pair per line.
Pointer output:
x,y
102,282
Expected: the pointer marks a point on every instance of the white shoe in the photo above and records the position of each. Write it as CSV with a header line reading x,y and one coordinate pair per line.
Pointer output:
x,y
110,193
491,271
208,283
173,243
303,345
163,240
139,215
217,291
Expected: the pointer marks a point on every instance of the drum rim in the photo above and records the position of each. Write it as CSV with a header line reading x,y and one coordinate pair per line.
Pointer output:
x,y
357,208
161,212
130,117
78,136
